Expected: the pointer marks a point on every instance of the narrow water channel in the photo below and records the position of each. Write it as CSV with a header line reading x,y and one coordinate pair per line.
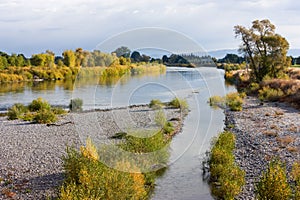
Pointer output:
x,y
183,179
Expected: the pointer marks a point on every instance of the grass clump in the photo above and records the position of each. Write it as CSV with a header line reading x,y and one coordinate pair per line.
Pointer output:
x,y
16,111
233,100
226,177
76,105
273,183
156,104
179,103
160,118
217,102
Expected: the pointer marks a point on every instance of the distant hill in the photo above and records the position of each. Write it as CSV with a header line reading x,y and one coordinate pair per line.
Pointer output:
x,y
222,53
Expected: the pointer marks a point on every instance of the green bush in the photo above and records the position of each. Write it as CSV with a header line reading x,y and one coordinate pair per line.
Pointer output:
x,y
270,94
179,103
226,177
76,105
156,104
38,105
234,101
44,117
16,111
273,183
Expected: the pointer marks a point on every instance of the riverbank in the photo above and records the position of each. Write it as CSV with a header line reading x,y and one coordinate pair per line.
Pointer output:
x,y
263,131
31,154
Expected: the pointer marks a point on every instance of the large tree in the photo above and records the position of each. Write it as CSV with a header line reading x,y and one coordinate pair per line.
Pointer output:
x,y
265,50
122,51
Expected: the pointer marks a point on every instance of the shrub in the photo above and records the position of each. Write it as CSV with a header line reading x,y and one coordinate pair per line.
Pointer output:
x,y
76,105
273,183
179,103
226,177
254,87
16,111
156,104
234,101
88,178
270,94
44,117
58,110
217,102
38,105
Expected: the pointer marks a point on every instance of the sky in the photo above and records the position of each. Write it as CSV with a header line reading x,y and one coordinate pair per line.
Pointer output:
x,y
34,26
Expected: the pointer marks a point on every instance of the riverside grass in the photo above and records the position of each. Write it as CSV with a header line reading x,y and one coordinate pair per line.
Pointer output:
x,y
87,177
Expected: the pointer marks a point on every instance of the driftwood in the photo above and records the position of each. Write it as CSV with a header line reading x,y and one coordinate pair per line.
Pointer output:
x,y
69,122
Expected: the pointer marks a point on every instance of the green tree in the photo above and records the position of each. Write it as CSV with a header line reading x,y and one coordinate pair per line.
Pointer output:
x,y
42,59
265,50
3,62
122,51
69,58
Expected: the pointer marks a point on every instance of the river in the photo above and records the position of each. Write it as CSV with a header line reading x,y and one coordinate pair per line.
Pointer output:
x,y
183,179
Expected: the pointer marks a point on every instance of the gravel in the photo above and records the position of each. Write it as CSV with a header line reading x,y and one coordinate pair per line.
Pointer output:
x,y
264,131
31,154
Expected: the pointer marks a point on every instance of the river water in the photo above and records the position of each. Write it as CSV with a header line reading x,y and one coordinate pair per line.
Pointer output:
x,y
183,179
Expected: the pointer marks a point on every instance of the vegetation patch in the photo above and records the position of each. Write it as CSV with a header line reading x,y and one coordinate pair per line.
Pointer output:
x,y
233,100
156,104
273,183
179,103
39,111
226,178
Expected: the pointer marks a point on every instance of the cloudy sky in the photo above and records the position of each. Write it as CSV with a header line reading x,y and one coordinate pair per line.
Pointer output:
x,y
33,26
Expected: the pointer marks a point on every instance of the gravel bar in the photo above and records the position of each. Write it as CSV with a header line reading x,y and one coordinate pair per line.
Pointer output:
x,y
31,154
263,131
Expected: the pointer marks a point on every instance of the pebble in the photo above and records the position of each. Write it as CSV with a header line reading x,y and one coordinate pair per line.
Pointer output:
x,y
254,149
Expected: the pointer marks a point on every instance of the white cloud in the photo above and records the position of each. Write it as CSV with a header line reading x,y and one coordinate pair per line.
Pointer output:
x,y
59,25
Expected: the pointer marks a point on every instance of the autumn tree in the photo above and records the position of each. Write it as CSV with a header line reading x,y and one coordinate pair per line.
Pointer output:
x,y
69,58
264,49
43,59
